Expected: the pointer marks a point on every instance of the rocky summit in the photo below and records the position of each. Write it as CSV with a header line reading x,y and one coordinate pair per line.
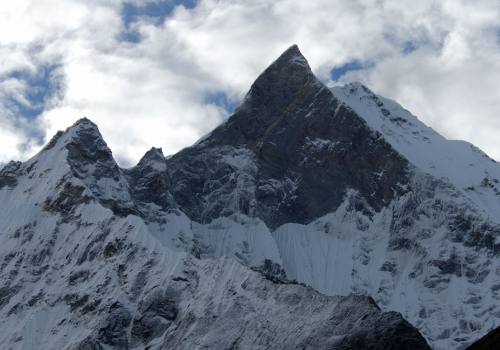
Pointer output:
x,y
312,218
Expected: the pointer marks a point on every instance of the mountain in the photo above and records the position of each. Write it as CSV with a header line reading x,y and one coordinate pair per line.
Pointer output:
x,y
92,258
284,227
489,341
288,154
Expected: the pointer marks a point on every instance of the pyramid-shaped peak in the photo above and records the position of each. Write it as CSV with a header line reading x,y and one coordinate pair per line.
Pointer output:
x,y
281,81
154,157
81,130
155,152
293,56
83,123
82,127
83,141
286,87
291,60
86,133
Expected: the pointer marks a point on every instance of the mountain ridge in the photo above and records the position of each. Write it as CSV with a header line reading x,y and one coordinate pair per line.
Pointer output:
x,y
302,181
285,114
143,293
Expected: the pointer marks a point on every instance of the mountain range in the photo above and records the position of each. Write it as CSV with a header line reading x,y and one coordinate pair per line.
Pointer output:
x,y
312,218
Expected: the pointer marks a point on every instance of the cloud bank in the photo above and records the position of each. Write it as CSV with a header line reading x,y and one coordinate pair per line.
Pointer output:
x,y
164,72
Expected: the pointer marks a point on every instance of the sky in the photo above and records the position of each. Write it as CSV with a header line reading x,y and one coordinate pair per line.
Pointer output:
x,y
165,72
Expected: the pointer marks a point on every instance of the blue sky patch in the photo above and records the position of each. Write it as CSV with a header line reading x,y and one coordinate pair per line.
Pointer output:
x,y
43,87
337,72
155,11
408,47
222,100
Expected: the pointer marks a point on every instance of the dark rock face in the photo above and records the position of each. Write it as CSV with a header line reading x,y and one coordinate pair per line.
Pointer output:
x,y
490,341
88,154
67,200
91,160
308,150
124,191
114,331
156,313
347,323
279,93
6,294
89,343
388,331
368,329
207,185
9,173
149,180
273,272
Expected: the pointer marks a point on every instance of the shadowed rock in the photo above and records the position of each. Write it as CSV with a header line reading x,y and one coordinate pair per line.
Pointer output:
x,y
304,147
149,180
490,341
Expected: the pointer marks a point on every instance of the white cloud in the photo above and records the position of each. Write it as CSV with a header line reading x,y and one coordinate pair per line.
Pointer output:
x,y
153,93
9,143
454,89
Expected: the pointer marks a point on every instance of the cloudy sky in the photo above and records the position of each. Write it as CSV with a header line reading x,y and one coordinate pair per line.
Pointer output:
x,y
164,72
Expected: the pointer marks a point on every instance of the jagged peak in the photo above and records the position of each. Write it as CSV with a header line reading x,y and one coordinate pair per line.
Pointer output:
x,y
286,76
85,142
10,167
84,122
84,145
154,153
290,61
293,56
284,90
153,158
82,128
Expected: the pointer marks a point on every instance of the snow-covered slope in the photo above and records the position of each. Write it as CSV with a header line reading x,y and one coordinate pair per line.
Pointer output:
x,y
431,256
463,164
340,190
361,197
474,194
402,248
86,263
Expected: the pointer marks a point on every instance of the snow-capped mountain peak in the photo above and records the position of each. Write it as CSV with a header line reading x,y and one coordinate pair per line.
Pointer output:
x,y
222,244
463,164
